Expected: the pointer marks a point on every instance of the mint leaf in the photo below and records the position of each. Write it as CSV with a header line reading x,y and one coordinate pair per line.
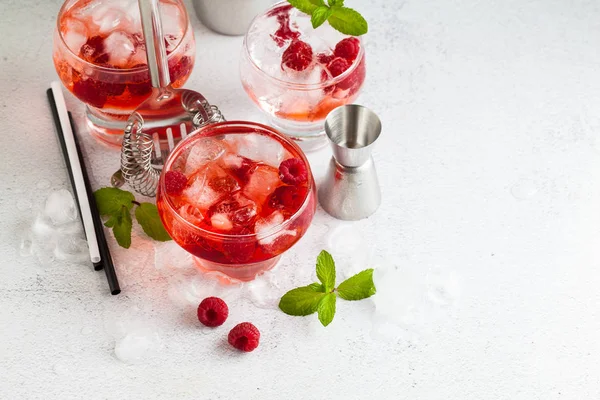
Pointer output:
x,y
320,15
109,200
348,21
358,287
335,3
306,6
326,309
301,301
326,270
317,287
147,216
122,228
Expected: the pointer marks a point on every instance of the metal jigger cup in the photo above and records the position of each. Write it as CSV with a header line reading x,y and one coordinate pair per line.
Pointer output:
x,y
351,189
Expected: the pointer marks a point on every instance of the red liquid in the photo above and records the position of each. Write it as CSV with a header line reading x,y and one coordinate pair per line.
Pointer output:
x,y
235,209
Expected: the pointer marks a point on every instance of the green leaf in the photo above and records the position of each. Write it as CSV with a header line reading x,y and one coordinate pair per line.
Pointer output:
x,y
109,200
112,220
147,216
301,301
320,15
317,287
335,3
306,6
326,309
348,21
122,228
358,287
326,270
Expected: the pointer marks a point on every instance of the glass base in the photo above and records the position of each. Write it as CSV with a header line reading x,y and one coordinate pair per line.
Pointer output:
x,y
107,127
242,272
309,136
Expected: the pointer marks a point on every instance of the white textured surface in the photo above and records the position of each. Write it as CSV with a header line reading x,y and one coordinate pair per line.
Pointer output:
x,y
490,168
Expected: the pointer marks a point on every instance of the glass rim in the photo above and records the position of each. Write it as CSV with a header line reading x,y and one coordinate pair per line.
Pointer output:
x,y
86,63
257,127
295,85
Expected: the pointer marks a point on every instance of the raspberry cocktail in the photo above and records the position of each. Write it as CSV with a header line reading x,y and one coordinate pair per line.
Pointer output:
x,y
236,195
298,74
100,56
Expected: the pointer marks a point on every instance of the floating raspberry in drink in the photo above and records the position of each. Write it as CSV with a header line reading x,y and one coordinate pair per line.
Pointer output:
x,y
293,171
175,182
298,56
348,49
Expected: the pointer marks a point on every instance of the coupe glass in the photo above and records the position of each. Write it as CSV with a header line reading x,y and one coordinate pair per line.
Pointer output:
x,y
100,57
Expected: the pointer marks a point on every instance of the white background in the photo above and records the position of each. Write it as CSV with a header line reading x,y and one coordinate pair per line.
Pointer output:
x,y
489,163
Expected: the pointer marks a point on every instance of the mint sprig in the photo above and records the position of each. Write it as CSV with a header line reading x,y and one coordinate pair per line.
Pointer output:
x,y
344,19
116,204
322,297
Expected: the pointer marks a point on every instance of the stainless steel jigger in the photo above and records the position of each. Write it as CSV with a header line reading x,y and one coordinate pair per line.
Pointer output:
x,y
351,190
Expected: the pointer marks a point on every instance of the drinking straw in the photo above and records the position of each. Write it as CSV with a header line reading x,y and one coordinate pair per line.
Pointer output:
x,y
92,223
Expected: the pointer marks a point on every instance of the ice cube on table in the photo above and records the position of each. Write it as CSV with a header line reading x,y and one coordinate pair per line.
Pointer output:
x,y
60,207
120,47
72,249
138,345
263,181
75,34
202,152
261,148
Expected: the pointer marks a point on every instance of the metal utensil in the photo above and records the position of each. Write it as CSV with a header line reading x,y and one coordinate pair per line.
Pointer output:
x,y
163,119
351,189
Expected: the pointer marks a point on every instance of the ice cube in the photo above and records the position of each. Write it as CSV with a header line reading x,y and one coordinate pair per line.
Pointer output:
x,y
60,207
109,20
209,185
264,291
202,152
239,209
137,345
221,221
233,161
72,249
172,21
120,47
275,242
262,183
75,34
262,149
132,12
264,225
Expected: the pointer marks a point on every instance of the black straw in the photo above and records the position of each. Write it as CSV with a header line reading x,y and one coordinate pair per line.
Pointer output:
x,y
106,259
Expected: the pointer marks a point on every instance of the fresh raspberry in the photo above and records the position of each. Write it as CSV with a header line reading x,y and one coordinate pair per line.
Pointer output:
x,y
175,182
298,56
338,66
212,311
324,58
180,67
347,48
284,32
355,80
244,337
293,171
288,197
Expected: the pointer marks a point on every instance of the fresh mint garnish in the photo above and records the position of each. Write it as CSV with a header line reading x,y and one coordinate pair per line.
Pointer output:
x,y
344,19
321,297
116,204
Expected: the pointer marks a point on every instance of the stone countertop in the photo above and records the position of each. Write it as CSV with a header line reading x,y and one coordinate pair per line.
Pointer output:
x,y
486,242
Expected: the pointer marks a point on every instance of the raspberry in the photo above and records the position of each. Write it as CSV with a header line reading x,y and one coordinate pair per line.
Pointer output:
x,y
338,66
86,91
244,171
347,48
93,49
324,78
212,311
175,182
289,197
244,337
298,56
140,89
293,171
355,80
324,58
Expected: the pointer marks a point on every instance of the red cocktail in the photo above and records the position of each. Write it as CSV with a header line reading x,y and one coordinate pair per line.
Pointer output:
x,y
236,195
100,56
